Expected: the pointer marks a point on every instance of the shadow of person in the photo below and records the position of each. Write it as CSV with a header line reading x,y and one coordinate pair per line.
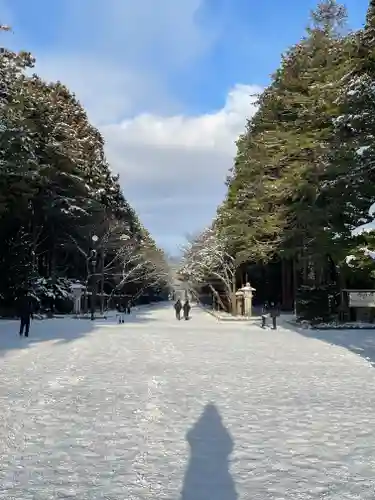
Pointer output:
x,y
207,476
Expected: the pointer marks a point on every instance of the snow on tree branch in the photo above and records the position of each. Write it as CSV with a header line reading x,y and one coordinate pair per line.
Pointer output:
x,y
206,257
140,264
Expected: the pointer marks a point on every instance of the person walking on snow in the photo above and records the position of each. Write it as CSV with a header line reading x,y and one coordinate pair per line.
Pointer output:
x,y
186,308
265,310
177,308
127,307
273,310
25,312
274,313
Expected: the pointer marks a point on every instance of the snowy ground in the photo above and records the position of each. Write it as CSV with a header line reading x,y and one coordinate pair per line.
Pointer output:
x,y
198,410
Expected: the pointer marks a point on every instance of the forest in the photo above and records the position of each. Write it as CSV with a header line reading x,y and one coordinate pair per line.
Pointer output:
x,y
302,181
63,216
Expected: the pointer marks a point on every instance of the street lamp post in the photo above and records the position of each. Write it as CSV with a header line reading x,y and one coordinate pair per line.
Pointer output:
x,y
93,259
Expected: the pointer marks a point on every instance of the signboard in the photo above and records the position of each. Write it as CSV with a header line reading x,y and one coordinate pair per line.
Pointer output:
x,y
361,299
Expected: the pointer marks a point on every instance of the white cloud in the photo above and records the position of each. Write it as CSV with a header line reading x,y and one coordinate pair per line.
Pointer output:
x,y
205,132
173,168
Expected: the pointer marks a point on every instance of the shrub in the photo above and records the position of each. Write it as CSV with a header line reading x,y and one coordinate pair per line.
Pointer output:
x,y
317,304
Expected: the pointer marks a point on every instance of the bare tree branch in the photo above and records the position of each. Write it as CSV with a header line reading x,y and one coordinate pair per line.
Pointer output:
x,y
206,258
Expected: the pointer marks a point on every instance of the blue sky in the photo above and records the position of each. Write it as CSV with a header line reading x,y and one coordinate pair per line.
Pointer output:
x,y
167,82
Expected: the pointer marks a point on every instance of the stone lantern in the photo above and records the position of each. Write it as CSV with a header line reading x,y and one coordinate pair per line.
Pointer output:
x,y
247,291
77,290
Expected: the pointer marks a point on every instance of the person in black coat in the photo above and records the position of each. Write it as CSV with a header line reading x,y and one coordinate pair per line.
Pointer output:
x,y
177,308
265,311
25,311
274,313
273,310
186,308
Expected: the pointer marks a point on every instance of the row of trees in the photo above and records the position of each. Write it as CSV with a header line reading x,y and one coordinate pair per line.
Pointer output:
x,y
59,201
303,177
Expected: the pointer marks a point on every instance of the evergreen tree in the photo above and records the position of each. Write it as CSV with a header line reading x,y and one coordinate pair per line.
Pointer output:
x,y
350,184
57,190
274,192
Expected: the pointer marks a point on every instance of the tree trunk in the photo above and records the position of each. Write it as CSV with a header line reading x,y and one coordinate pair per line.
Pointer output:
x,y
53,263
102,257
295,283
338,278
233,298
86,302
216,294
284,285
288,284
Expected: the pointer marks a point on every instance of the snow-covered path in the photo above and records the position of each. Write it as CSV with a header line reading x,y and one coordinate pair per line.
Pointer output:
x,y
198,410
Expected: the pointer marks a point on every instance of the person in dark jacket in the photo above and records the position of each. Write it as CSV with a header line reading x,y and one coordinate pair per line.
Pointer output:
x,y
186,308
177,308
25,312
121,312
265,311
274,313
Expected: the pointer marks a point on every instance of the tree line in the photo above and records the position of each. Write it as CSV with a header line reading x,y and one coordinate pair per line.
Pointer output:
x,y
63,216
303,176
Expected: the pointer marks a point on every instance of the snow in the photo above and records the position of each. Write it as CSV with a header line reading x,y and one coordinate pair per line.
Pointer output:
x,y
369,253
371,211
361,150
225,316
198,410
356,337
367,227
349,259
334,325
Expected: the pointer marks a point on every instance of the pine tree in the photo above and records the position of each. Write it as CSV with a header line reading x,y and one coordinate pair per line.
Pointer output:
x,y
350,184
56,188
282,158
